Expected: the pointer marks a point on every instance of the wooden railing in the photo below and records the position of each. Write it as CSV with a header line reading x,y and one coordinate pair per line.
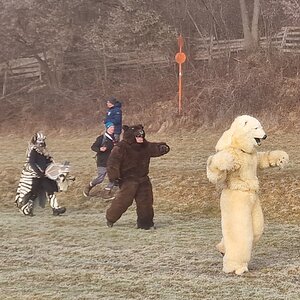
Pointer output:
x,y
286,41
210,48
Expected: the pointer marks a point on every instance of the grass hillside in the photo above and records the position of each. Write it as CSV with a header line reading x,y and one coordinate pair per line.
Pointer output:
x,y
76,256
179,178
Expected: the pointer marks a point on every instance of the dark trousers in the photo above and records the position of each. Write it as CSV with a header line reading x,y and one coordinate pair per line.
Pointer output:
x,y
41,184
131,190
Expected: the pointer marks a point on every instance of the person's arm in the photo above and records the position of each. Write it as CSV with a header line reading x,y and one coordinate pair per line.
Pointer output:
x,y
218,166
109,145
33,163
49,160
97,144
157,149
275,158
114,163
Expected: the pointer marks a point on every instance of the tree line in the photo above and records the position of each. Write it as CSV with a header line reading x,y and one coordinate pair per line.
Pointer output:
x,y
49,30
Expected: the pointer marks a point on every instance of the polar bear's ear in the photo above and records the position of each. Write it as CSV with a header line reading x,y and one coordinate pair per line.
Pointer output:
x,y
241,121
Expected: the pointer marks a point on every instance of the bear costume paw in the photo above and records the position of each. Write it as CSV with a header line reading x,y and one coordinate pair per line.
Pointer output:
x,y
231,267
218,165
278,158
224,161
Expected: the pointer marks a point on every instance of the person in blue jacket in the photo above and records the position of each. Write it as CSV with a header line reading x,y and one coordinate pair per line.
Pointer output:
x,y
114,115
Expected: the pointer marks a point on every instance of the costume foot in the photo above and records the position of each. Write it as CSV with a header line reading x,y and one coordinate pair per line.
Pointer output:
x,y
146,227
58,211
109,224
241,270
26,209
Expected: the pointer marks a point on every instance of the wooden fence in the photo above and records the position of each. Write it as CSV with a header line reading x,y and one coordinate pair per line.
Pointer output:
x,y
286,41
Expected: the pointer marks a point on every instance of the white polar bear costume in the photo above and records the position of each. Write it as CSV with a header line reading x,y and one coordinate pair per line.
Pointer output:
x,y
234,169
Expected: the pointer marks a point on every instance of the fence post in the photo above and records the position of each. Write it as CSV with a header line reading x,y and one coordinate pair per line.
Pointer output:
x,y
283,42
4,84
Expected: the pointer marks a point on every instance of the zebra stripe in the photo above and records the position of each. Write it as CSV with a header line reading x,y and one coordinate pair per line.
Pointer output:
x,y
25,186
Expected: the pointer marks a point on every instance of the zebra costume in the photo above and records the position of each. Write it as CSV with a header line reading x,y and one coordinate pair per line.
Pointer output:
x,y
34,186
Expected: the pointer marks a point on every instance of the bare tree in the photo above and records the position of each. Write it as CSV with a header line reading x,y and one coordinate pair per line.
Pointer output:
x,y
40,29
251,33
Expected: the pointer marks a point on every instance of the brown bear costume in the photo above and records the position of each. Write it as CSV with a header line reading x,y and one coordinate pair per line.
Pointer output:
x,y
129,164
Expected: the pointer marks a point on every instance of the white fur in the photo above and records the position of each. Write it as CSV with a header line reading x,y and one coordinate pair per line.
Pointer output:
x,y
234,166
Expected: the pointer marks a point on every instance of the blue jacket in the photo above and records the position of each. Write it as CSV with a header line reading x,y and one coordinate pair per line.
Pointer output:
x,y
114,115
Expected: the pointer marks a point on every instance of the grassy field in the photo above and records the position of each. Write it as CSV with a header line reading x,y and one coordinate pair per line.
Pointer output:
x,y
76,256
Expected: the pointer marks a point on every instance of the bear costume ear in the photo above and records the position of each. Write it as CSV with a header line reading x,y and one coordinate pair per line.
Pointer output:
x,y
125,127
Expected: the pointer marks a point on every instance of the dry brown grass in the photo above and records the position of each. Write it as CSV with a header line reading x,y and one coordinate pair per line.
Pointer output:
x,y
76,257
263,84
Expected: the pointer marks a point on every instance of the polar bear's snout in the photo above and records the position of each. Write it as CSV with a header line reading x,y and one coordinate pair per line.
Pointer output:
x,y
258,140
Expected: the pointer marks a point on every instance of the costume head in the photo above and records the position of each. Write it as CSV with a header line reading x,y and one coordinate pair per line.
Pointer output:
x,y
131,132
245,133
38,140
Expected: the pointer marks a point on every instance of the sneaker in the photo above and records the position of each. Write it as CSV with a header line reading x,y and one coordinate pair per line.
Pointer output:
x,y
87,190
109,224
107,194
58,211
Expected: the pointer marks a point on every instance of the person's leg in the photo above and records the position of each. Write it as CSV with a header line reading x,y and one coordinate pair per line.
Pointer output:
x,y
121,202
50,187
257,220
56,209
108,193
110,185
144,205
101,171
237,229
28,193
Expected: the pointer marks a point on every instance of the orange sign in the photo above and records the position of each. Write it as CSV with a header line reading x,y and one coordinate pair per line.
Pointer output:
x,y
180,57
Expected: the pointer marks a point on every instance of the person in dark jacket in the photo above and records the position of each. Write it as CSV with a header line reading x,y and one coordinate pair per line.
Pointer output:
x,y
128,163
114,115
102,146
